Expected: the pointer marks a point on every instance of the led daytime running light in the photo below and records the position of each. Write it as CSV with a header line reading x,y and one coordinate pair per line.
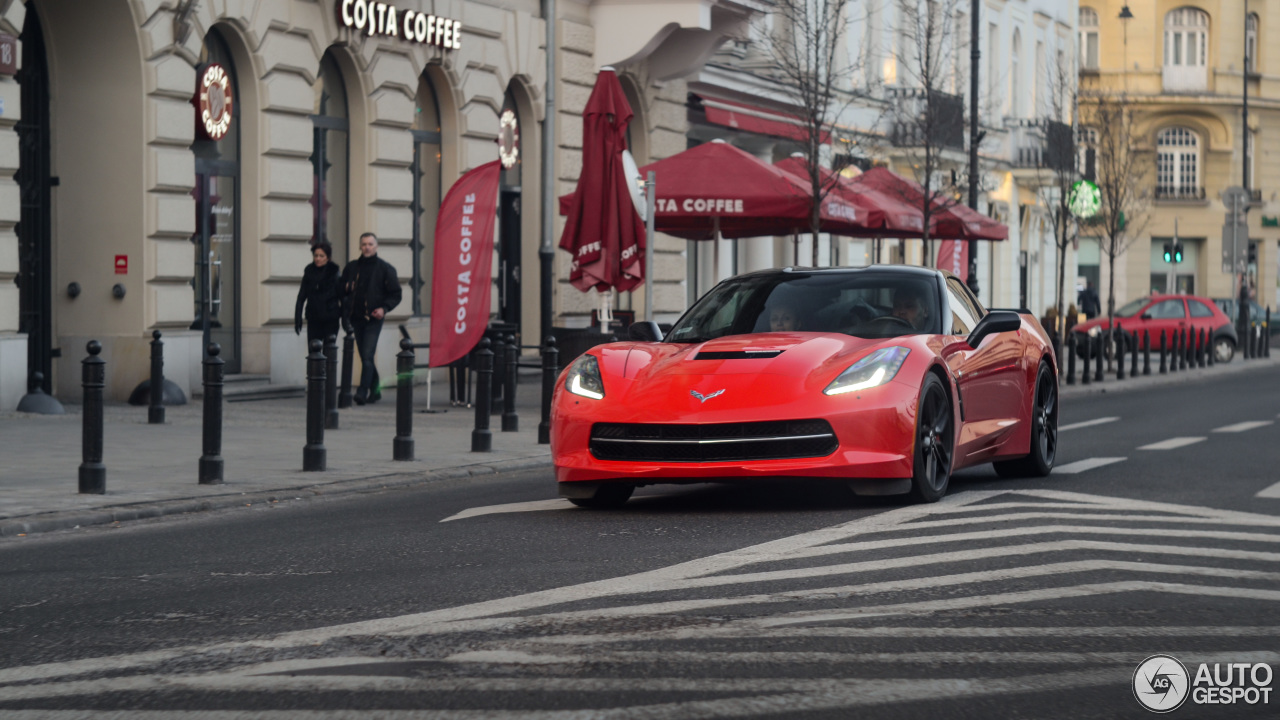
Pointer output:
x,y
882,365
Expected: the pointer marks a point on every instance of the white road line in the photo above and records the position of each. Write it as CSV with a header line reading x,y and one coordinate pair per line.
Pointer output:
x,y
1271,492
1088,423
532,506
1243,426
1173,443
715,658
1080,466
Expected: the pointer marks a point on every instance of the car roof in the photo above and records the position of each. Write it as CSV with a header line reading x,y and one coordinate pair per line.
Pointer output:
x,y
903,270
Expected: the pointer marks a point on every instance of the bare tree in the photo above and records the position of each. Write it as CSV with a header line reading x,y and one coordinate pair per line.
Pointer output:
x,y
807,47
1122,179
1058,169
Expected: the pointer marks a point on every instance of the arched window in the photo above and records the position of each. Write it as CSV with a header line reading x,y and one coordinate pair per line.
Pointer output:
x,y
1186,49
1014,79
1251,43
1088,38
1178,164
1040,103
329,160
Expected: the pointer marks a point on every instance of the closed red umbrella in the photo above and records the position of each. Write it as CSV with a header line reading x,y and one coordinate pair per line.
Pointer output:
x,y
604,233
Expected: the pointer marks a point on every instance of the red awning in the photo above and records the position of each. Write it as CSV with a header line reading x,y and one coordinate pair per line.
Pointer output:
x,y
753,119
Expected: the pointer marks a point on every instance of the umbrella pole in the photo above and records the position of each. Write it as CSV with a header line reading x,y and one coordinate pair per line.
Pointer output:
x,y
651,193
715,254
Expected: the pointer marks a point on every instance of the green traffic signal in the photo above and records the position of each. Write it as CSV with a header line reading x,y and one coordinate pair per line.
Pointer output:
x,y
1177,253
1168,252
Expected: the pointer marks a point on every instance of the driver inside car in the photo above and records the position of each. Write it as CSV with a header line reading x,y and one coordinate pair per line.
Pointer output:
x,y
908,306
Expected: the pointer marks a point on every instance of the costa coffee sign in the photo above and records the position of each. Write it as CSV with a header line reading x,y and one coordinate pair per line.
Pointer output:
x,y
378,18
213,101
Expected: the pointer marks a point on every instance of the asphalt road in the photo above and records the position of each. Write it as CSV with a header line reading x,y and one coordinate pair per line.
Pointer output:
x,y
1008,599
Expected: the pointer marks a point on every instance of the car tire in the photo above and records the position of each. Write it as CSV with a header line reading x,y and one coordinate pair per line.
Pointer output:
x,y
1223,350
934,443
1044,432
608,496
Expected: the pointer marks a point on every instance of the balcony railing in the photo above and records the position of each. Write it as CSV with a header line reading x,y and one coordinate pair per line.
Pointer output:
x,y
1179,192
938,122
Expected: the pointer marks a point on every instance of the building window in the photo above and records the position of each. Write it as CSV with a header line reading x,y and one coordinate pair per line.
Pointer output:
x,y
1186,49
1251,43
1178,165
1039,98
1014,55
426,169
329,155
1088,38
993,66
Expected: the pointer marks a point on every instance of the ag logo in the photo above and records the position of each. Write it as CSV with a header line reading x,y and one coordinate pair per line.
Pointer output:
x,y
1161,683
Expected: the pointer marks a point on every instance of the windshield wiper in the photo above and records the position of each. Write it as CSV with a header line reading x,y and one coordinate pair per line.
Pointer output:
x,y
692,340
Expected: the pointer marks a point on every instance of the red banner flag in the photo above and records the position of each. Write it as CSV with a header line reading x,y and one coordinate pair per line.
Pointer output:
x,y
953,256
460,276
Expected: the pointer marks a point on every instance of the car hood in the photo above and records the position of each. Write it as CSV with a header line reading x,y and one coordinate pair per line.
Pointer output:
x,y
731,374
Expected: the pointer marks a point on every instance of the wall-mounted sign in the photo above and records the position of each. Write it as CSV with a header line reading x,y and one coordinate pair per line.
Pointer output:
x,y
8,55
122,264
213,101
508,139
379,18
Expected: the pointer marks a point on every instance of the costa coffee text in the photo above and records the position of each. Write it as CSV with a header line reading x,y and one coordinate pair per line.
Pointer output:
x,y
377,18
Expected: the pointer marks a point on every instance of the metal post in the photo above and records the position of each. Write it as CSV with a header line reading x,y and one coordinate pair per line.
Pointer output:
x,y
1164,368
1132,339
313,453
546,249
510,421
402,447
1118,340
975,55
1085,377
550,369
211,459
155,409
481,438
331,382
1186,350
1071,358
348,360
1102,350
651,204
1266,334
93,373
1202,350
1146,352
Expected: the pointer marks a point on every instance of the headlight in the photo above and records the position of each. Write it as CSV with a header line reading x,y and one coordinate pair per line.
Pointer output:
x,y
584,378
1095,331
875,369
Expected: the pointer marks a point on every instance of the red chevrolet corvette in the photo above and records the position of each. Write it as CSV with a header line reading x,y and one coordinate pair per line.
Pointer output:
x,y
886,378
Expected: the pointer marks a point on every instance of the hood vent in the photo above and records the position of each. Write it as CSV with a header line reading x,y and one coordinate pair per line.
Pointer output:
x,y
737,355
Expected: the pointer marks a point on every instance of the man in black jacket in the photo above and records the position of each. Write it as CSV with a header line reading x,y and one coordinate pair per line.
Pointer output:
x,y
371,290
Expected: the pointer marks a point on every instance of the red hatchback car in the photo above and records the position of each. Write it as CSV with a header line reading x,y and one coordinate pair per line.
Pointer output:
x,y
1169,314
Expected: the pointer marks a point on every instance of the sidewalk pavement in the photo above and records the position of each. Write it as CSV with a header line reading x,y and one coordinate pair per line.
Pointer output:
x,y
1155,379
152,469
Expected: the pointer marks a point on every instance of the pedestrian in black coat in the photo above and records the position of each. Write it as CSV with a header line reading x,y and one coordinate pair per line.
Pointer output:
x,y
370,290
320,295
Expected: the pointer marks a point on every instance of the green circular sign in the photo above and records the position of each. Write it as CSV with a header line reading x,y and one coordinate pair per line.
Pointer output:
x,y
1085,199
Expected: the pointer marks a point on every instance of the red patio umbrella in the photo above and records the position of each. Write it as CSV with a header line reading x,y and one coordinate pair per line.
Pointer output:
x,y
604,233
890,217
955,222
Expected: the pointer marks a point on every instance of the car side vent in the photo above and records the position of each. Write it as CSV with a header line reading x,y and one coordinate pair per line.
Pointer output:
x,y
737,355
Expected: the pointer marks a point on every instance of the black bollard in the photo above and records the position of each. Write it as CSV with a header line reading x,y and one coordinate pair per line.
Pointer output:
x,y
1184,351
550,369
1119,336
1211,351
1164,339
481,438
1086,377
402,448
510,421
1146,352
1253,342
93,375
155,410
1132,338
1202,351
1071,358
1266,334
1174,351
1102,350
211,459
331,383
498,382
348,361
313,453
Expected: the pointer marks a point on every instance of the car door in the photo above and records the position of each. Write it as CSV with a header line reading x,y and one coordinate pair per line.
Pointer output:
x,y
991,378
1201,318
1166,316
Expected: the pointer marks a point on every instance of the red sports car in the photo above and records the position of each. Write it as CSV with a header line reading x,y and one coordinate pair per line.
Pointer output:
x,y
886,378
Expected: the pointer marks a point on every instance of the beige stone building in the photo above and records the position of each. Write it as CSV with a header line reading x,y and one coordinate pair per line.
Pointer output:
x,y
346,116
1181,69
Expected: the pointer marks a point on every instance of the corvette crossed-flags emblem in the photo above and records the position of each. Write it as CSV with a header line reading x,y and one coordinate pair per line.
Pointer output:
x,y
704,398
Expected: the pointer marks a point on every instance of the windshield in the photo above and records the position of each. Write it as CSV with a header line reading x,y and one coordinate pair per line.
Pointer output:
x,y
870,305
1132,307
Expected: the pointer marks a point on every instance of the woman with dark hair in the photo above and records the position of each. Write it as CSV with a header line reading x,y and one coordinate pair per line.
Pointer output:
x,y
320,294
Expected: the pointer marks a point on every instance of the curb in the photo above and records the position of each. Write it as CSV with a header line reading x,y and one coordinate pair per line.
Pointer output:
x,y
66,520
1154,380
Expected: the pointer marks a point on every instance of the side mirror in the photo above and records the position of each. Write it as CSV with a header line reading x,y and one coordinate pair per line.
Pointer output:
x,y
644,331
996,321
1146,316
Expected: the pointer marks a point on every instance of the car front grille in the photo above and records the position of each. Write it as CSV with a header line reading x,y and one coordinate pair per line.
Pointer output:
x,y
714,442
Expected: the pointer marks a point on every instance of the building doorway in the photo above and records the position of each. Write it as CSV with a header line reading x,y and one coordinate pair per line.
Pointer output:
x,y
35,227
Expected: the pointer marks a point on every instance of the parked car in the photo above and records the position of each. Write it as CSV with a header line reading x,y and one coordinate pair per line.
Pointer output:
x,y
1165,315
885,378
1257,313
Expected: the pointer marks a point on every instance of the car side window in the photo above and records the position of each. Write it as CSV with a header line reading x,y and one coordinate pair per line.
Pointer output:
x,y
962,313
1167,310
1199,309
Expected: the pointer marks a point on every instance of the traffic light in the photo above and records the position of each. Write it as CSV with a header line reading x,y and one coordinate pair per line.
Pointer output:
x,y
1177,253
1168,252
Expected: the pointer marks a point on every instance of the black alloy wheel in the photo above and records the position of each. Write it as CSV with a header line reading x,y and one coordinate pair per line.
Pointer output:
x,y
935,443
1044,432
